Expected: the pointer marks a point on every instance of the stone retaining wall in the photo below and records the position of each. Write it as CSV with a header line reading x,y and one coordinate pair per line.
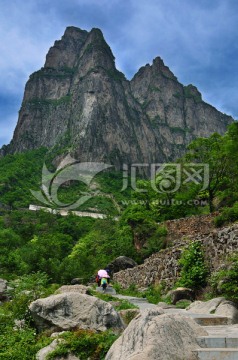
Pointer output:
x,y
163,266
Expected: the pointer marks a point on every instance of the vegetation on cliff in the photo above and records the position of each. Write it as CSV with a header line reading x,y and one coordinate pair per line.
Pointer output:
x,y
54,249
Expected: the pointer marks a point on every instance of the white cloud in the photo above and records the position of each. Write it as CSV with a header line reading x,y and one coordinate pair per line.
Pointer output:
x,y
26,37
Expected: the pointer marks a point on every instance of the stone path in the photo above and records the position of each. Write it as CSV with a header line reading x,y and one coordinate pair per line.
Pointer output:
x,y
222,340
140,302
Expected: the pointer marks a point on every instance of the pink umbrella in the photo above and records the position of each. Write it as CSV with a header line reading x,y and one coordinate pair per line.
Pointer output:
x,y
103,274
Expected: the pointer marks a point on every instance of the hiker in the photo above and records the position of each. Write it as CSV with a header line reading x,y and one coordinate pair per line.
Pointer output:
x,y
104,283
102,278
98,280
109,274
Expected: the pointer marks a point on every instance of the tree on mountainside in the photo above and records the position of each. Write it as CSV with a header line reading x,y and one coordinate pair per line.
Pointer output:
x,y
212,151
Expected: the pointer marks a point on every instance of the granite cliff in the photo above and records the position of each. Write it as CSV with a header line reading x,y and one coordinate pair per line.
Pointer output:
x,y
79,103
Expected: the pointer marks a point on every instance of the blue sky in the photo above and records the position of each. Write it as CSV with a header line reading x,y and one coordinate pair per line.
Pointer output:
x,y
197,39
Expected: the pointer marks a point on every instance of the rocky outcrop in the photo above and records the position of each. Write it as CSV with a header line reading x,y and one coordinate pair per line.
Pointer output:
x,y
79,103
154,335
73,310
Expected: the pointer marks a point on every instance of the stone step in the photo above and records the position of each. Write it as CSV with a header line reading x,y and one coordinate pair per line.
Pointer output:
x,y
229,331
217,354
217,342
109,290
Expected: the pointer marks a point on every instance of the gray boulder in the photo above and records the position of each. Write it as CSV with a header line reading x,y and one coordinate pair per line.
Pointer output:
x,y
3,290
205,307
77,281
181,293
229,310
217,306
156,336
121,263
73,310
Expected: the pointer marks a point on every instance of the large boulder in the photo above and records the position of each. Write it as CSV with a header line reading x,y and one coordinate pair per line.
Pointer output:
x,y
181,293
228,309
3,290
205,307
217,306
121,263
156,336
73,310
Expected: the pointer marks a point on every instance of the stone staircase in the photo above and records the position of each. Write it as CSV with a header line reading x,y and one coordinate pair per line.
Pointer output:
x,y
221,343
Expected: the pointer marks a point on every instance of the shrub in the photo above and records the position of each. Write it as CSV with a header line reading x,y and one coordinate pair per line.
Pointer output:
x,y
85,344
225,281
194,271
227,215
153,294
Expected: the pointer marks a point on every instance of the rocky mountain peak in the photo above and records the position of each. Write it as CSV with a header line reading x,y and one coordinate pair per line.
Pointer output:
x,y
158,66
80,104
64,53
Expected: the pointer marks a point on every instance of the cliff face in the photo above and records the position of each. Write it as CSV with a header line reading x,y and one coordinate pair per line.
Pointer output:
x,y
79,103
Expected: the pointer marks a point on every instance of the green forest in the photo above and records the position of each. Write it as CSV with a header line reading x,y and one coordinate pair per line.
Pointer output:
x,y
40,251
65,247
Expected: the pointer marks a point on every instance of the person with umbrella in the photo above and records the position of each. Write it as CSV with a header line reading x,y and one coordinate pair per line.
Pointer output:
x,y
102,279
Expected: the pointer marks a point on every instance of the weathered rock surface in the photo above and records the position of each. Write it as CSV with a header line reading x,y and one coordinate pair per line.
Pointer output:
x,y
153,335
81,289
79,101
73,310
205,307
228,309
181,294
